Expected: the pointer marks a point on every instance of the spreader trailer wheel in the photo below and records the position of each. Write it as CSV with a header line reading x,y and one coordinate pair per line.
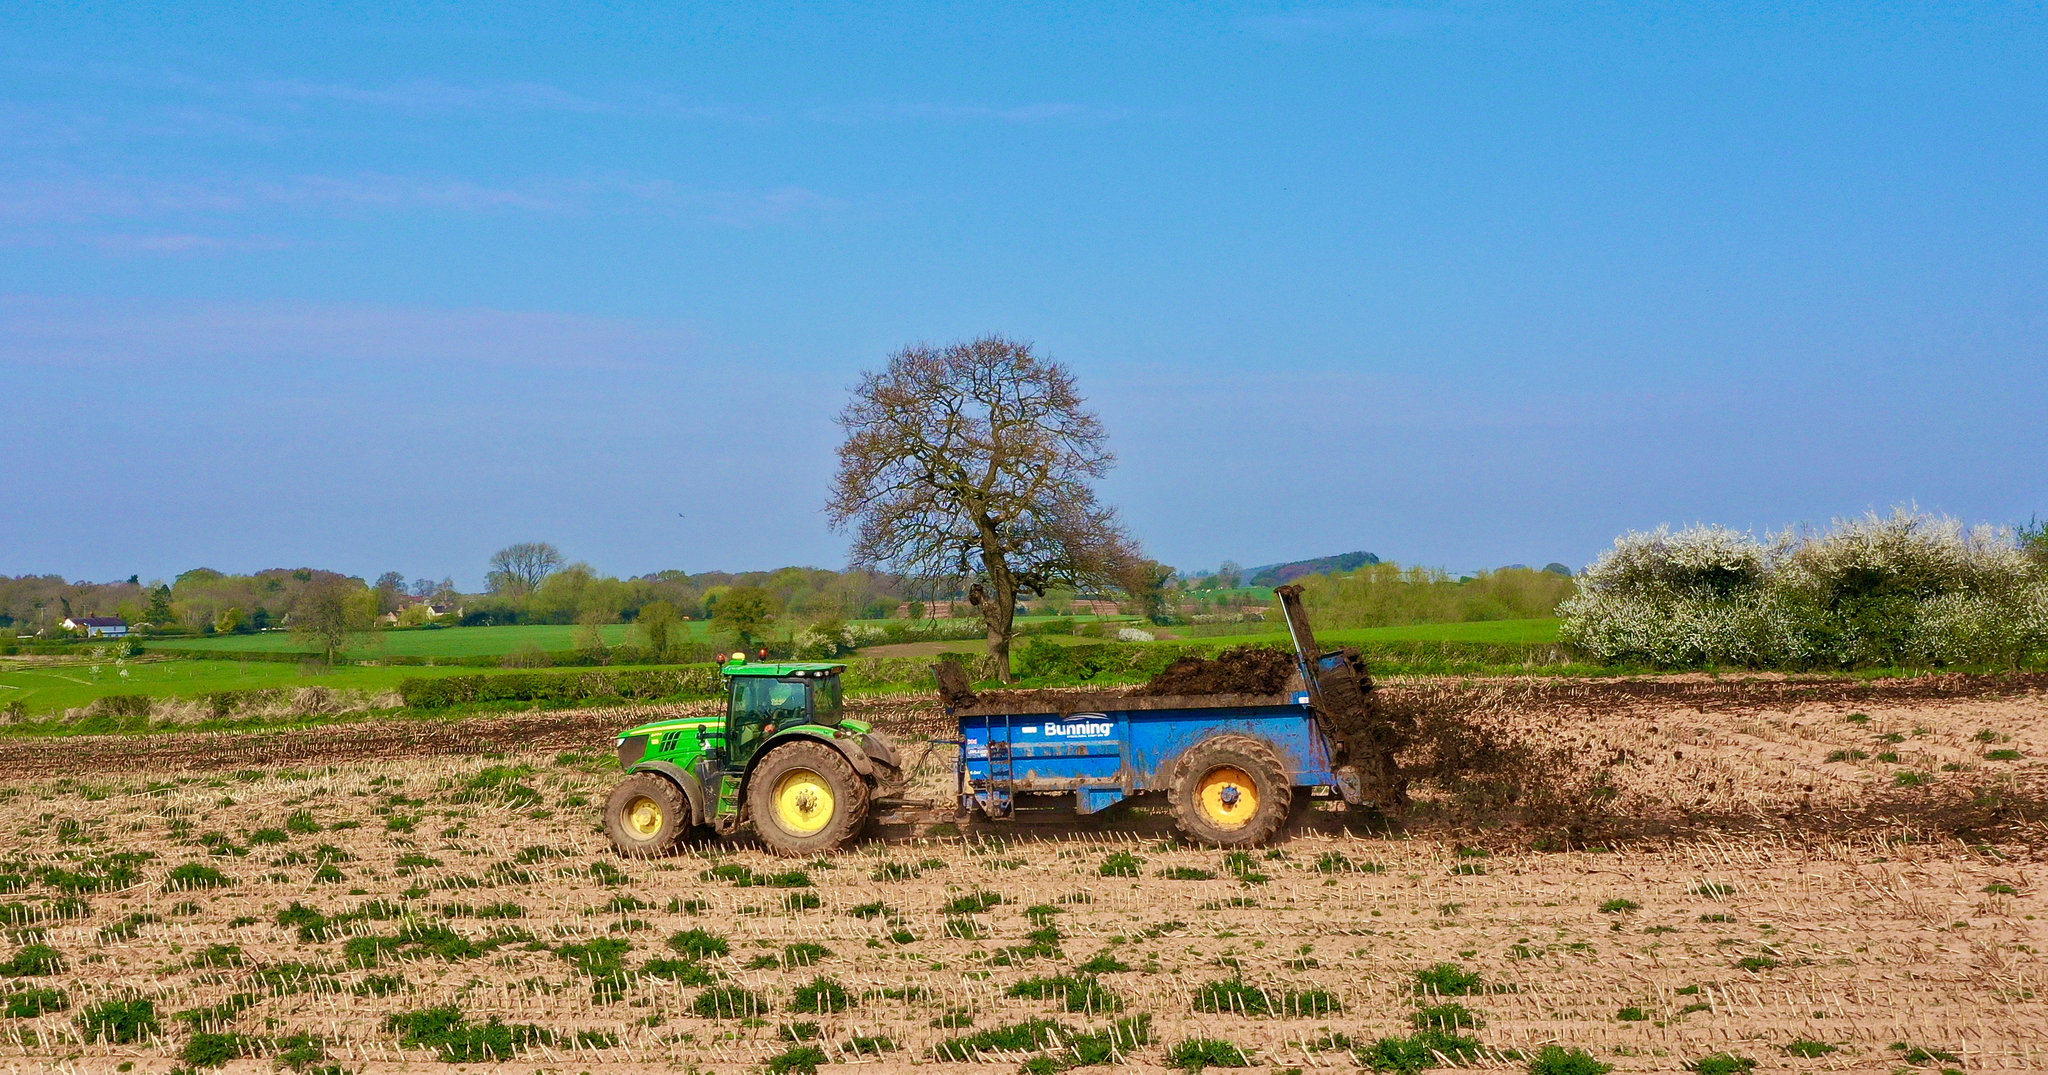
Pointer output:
x,y
645,816
805,798
1230,791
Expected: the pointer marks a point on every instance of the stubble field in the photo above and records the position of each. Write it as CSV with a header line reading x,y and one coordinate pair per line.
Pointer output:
x,y
1658,875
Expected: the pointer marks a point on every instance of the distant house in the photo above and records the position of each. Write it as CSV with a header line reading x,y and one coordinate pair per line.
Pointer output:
x,y
98,626
935,610
390,619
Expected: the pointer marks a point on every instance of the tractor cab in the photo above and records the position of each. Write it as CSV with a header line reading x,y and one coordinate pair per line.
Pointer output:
x,y
762,699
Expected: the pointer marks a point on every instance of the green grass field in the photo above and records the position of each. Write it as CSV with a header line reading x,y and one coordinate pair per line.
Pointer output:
x,y
51,688
447,642
1498,631
1540,630
455,641
45,689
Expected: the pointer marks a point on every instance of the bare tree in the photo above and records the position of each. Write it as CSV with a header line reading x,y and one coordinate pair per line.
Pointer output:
x,y
2033,539
390,587
589,637
1145,581
657,619
519,569
974,463
333,613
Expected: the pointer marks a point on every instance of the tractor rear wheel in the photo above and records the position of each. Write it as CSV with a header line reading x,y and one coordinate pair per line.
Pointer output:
x,y
645,816
1230,791
805,798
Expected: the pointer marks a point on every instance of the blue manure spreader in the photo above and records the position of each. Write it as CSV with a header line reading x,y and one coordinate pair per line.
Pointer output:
x,y
1231,765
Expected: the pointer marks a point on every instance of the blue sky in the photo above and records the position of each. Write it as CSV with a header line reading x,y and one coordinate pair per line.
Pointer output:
x,y
1460,284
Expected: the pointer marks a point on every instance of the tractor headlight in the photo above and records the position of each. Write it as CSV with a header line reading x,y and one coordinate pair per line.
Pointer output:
x,y
631,749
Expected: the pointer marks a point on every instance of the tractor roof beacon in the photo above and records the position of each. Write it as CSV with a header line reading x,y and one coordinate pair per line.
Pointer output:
x,y
782,756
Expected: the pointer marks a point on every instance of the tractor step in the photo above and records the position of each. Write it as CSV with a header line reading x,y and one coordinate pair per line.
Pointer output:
x,y
728,796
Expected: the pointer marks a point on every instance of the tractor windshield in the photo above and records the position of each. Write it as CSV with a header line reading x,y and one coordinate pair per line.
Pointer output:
x,y
760,708
825,704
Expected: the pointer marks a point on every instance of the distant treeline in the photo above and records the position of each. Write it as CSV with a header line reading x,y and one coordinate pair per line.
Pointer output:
x,y
1389,595
1041,663
204,601
780,602
578,594
1275,574
194,601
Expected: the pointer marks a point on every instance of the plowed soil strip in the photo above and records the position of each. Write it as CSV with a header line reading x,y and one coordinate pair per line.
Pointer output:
x,y
1724,695
328,745
396,738
912,716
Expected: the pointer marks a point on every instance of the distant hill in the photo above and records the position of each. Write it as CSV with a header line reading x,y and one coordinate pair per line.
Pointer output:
x,y
1275,574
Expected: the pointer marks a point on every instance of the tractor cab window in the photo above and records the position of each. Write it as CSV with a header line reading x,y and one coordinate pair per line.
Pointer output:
x,y
761,707
825,704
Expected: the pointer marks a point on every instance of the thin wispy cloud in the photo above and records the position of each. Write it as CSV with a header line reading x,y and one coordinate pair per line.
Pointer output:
x,y
395,192
69,128
184,243
666,105
902,111
757,208
424,95
43,202
253,105
23,126
1308,24
38,330
73,200
426,98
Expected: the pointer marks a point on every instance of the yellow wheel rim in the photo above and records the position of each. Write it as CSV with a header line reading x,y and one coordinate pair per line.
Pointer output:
x,y
1228,798
803,802
643,817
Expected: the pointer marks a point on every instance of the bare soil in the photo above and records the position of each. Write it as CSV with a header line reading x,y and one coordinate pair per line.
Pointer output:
x,y
1739,864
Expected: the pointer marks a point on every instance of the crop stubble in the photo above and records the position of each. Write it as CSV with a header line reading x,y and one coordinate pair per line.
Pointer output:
x,y
1892,913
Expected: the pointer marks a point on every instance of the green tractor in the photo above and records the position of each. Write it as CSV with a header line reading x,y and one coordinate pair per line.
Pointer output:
x,y
783,757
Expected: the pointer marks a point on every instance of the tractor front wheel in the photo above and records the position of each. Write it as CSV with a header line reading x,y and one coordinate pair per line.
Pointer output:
x,y
645,816
805,798
1230,791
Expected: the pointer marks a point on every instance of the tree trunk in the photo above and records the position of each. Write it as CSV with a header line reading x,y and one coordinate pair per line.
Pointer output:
x,y
999,613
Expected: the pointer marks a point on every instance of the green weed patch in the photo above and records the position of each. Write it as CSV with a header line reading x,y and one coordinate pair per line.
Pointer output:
x,y
1236,996
456,1040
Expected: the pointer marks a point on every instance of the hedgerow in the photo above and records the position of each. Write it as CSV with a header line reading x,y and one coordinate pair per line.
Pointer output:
x,y
1908,589
627,684
635,684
